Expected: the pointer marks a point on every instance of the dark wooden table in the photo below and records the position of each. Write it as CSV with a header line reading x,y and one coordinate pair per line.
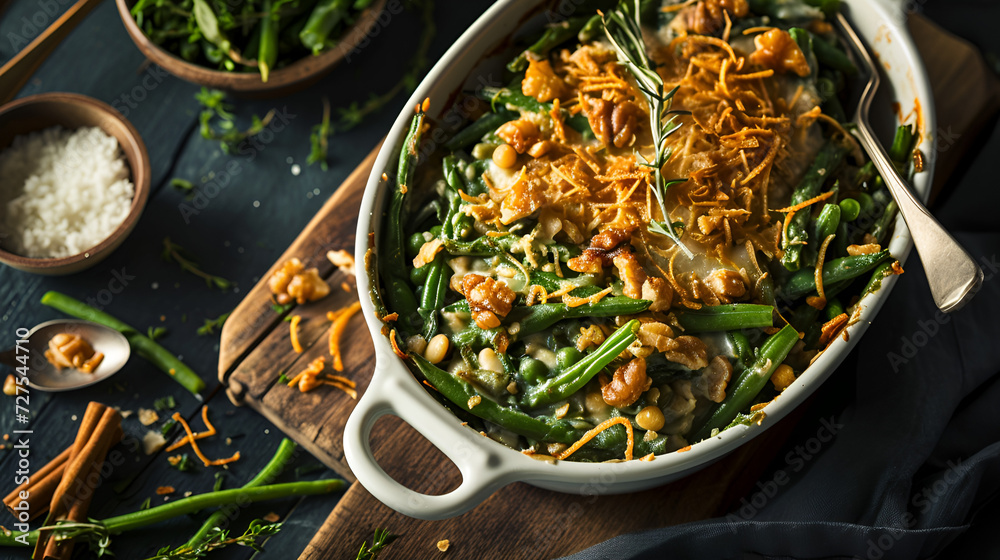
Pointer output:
x,y
236,233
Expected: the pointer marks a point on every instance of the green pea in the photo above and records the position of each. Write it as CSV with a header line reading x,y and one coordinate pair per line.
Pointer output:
x,y
533,371
436,231
414,244
567,357
850,209
418,275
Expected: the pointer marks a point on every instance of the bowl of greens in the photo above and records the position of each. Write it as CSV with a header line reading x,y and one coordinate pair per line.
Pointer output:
x,y
263,47
604,252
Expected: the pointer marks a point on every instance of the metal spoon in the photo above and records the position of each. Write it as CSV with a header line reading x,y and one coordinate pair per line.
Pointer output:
x,y
44,376
953,275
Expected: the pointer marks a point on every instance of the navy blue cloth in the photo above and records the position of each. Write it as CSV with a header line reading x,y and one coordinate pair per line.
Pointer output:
x,y
899,454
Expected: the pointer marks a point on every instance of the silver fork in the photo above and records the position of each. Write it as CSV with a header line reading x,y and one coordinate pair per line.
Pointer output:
x,y
953,275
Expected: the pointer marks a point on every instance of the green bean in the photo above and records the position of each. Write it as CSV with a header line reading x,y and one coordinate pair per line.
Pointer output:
x,y
885,222
830,56
751,380
324,18
553,36
266,475
880,273
838,270
825,226
542,316
591,30
726,317
850,209
831,103
267,55
741,348
902,144
506,97
829,7
570,380
398,291
842,241
461,393
826,162
805,41
484,125
432,297
834,308
156,354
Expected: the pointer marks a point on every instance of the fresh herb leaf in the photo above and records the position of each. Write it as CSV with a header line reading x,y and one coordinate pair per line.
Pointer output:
x,y
219,538
217,121
176,253
166,403
156,333
282,309
319,139
167,427
220,476
182,184
184,464
283,378
381,540
212,324
146,503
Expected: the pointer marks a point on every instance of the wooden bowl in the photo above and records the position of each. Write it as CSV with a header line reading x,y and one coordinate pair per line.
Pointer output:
x,y
72,111
288,79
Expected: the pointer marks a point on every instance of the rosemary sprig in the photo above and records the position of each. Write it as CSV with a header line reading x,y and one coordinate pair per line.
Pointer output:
x,y
174,252
623,29
381,540
211,324
219,538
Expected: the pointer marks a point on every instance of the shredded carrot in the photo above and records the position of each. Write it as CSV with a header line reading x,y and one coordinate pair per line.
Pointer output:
x,y
339,324
295,380
537,293
684,449
600,428
197,451
572,301
349,390
806,203
345,286
758,29
390,317
820,259
294,328
395,345
201,435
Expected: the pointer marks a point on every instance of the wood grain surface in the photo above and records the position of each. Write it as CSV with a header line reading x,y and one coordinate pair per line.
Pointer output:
x,y
255,350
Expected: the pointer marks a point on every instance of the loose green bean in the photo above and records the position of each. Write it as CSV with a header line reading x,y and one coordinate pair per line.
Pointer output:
x,y
573,378
727,317
158,355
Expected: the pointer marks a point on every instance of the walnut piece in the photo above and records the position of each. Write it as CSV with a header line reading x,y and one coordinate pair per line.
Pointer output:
x,y
294,282
705,17
541,82
627,385
631,273
658,291
727,284
520,134
489,300
712,382
614,124
72,351
777,50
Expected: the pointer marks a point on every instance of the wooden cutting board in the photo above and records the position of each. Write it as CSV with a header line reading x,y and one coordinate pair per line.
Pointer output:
x,y
519,520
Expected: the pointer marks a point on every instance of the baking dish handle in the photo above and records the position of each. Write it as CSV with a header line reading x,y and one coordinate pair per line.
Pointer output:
x,y
389,393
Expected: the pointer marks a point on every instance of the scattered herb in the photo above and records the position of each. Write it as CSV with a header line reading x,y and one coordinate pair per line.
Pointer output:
x,y
320,138
184,464
381,540
219,123
282,309
212,324
220,476
184,317
167,427
176,253
182,185
219,538
282,378
146,503
156,333
166,403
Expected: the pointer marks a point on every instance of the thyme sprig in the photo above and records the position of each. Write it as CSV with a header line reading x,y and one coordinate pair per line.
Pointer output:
x,y
623,29
219,538
381,540
174,252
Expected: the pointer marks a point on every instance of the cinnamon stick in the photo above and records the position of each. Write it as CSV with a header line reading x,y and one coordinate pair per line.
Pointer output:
x,y
89,451
39,488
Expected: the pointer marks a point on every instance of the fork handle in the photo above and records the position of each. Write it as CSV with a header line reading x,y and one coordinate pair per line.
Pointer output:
x,y
953,275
